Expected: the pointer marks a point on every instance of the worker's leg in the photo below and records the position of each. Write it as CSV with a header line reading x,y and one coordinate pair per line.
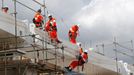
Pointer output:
x,y
40,25
74,64
53,36
47,28
37,24
73,37
73,41
58,41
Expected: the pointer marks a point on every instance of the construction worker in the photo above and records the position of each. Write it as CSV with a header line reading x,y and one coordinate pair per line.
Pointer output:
x,y
82,58
5,9
51,28
38,19
73,32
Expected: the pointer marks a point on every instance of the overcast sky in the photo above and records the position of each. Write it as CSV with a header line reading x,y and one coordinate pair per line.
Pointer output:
x,y
100,20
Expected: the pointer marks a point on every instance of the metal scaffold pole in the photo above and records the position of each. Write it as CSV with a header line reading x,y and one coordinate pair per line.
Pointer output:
x,y
63,57
103,49
55,60
45,24
33,45
5,59
116,56
15,16
2,5
132,46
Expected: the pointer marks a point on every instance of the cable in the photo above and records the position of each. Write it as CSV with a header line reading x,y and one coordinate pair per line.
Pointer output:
x,y
25,6
124,47
125,54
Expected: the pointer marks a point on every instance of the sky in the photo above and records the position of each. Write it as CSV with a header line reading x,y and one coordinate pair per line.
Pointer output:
x,y
100,21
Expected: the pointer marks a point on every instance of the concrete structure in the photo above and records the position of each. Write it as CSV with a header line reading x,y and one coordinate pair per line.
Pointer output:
x,y
43,57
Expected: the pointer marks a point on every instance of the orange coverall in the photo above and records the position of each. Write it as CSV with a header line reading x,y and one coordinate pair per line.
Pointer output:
x,y
73,32
38,19
82,59
51,28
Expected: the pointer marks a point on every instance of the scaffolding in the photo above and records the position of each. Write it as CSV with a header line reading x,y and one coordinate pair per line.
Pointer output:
x,y
9,46
13,51
10,50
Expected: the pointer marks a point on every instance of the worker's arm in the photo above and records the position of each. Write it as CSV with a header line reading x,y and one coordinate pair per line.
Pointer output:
x,y
81,51
54,22
79,57
69,34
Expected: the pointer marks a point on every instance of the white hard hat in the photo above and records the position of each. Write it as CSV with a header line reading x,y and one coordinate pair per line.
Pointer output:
x,y
86,50
79,43
49,15
78,25
5,6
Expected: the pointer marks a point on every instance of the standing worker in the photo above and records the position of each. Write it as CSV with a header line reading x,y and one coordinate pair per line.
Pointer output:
x,y
5,9
82,58
38,19
51,28
73,32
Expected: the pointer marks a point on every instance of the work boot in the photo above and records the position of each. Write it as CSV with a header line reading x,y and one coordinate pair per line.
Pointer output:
x,y
68,69
58,41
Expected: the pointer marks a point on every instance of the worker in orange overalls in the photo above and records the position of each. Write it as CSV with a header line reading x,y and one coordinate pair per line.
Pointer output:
x,y
73,32
82,58
38,19
5,9
51,28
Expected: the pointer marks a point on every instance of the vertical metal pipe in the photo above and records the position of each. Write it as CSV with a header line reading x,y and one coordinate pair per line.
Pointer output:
x,y
55,59
2,5
132,45
116,56
43,51
34,48
5,57
97,47
44,25
15,16
63,57
103,49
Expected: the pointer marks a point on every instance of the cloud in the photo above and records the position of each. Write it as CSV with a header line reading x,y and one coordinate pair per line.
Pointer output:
x,y
63,11
104,19
101,20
